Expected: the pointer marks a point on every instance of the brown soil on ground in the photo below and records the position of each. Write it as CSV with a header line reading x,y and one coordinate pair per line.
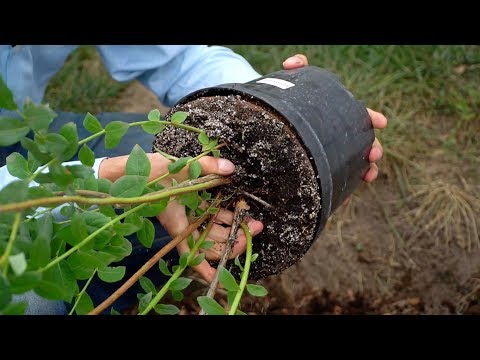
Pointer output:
x,y
370,260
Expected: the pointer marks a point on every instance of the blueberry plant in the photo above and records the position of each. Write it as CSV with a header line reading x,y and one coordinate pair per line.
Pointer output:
x,y
60,226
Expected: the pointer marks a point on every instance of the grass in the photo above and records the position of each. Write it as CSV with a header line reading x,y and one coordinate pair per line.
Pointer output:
x,y
83,84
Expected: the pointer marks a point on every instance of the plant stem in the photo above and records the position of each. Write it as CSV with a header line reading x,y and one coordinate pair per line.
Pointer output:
x,y
85,193
164,122
205,182
80,294
39,171
150,263
240,208
139,123
11,240
91,137
246,270
90,237
161,177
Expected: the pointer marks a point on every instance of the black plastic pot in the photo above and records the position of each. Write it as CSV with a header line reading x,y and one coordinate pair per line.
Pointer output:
x,y
334,127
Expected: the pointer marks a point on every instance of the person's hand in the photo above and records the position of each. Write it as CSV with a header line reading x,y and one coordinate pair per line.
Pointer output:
x,y
174,218
379,121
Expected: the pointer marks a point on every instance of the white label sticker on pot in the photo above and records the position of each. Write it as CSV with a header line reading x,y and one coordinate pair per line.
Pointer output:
x,y
282,84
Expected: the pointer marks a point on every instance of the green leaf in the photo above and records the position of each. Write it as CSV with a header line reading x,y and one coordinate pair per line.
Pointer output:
x,y
44,178
134,219
12,130
146,234
6,97
256,290
254,257
144,301
69,132
128,186
114,312
199,212
162,264
207,245
18,263
33,148
179,284
59,175
114,132
190,200
33,163
212,143
213,210
206,195
216,153
119,250
67,210
14,192
25,282
147,285
203,138
37,192
179,117
227,280
153,127
197,260
95,221
111,274
80,171
85,305
190,241
104,185
90,183
40,249
166,309
231,296
58,283
154,208
125,229
154,115
86,155
82,263
177,295
38,116
91,123
195,169
56,144
138,162
239,312
79,230
237,262
178,165
5,292
210,306
18,308
17,166
183,259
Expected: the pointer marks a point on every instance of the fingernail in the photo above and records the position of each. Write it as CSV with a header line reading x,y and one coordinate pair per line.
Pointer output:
x,y
225,166
293,60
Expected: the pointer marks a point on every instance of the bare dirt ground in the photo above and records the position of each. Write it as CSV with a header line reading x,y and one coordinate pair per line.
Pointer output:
x,y
370,259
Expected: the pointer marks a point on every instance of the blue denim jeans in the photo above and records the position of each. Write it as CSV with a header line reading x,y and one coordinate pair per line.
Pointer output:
x,y
99,290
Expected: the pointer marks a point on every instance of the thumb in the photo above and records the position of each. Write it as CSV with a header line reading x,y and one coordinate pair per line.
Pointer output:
x,y
295,61
219,166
